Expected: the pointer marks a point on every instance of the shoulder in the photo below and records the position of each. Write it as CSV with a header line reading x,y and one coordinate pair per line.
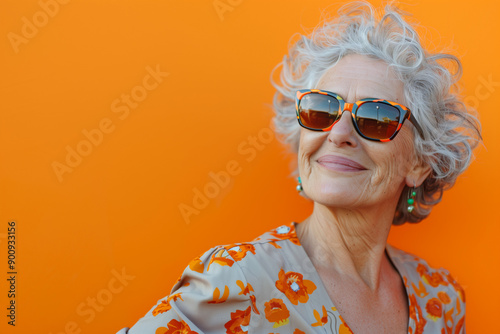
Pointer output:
x,y
433,291
211,293
433,276
239,258
228,287
270,247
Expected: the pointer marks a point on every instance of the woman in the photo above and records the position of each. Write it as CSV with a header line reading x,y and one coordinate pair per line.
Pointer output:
x,y
408,139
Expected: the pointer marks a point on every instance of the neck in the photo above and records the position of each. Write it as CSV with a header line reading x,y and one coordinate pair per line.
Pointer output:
x,y
347,243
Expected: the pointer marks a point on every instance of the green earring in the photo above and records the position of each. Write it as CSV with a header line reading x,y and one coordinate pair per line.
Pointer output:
x,y
411,199
299,186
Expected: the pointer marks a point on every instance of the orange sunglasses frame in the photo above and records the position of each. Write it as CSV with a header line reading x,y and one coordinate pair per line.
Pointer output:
x,y
404,112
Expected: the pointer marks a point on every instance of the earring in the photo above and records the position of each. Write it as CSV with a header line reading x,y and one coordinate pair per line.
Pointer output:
x,y
411,198
299,186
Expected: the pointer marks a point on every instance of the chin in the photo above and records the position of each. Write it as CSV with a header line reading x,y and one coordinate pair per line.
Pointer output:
x,y
332,196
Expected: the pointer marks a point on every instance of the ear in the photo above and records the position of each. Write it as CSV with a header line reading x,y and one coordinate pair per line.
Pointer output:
x,y
417,175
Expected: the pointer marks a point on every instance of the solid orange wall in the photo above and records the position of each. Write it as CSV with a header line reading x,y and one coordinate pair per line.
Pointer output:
x,y
115,212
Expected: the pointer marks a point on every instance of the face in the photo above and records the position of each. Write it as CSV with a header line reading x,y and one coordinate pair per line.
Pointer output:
x,y
339,168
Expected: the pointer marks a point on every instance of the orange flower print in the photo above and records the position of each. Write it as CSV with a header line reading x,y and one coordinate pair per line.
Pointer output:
x,y
460,324
239,322
295,288
457,287
164,306
434,280
343,328
448,321
175,296
443,296
175,327
222,258
239,251
421,291
421,269
216,296
434,309
298,331
416,314
321,321
275,244
254,305
285,232
277,312
196,265
244,289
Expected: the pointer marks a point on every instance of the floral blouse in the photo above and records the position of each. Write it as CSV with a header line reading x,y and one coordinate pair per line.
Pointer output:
x,y
269,285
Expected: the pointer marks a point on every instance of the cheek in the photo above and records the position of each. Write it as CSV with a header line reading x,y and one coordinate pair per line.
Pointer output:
x,y
406,152
303,155
386,172
309,143
306,139
394,164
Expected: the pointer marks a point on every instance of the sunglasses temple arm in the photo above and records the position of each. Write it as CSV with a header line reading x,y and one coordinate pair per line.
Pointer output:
x,y
417,126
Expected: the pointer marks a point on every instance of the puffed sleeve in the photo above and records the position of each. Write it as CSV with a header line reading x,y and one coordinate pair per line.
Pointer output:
x,y
211,296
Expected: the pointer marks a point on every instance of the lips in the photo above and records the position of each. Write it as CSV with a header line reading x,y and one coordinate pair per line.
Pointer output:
x,y
338,163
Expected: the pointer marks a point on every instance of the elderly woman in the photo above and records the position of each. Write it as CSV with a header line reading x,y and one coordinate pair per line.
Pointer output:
x,y
379,134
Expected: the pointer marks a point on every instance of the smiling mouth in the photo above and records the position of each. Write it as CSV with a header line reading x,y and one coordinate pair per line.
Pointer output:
x,y
337,163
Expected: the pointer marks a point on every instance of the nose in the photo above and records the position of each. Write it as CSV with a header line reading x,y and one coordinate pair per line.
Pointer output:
x,y
342,132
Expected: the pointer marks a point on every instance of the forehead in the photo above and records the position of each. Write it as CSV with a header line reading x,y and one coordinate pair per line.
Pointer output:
x,y
356,77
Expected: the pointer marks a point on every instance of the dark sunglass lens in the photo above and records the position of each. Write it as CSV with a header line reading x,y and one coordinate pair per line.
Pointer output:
x,y
318,111
377,120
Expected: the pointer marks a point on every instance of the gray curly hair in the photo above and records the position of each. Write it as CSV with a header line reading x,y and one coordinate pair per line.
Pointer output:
x,y
451,129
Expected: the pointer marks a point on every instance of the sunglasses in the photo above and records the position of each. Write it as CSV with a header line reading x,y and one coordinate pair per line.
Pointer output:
x,y
373,119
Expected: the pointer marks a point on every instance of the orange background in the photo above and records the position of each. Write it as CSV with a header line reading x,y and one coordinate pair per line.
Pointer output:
x,y
118,209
